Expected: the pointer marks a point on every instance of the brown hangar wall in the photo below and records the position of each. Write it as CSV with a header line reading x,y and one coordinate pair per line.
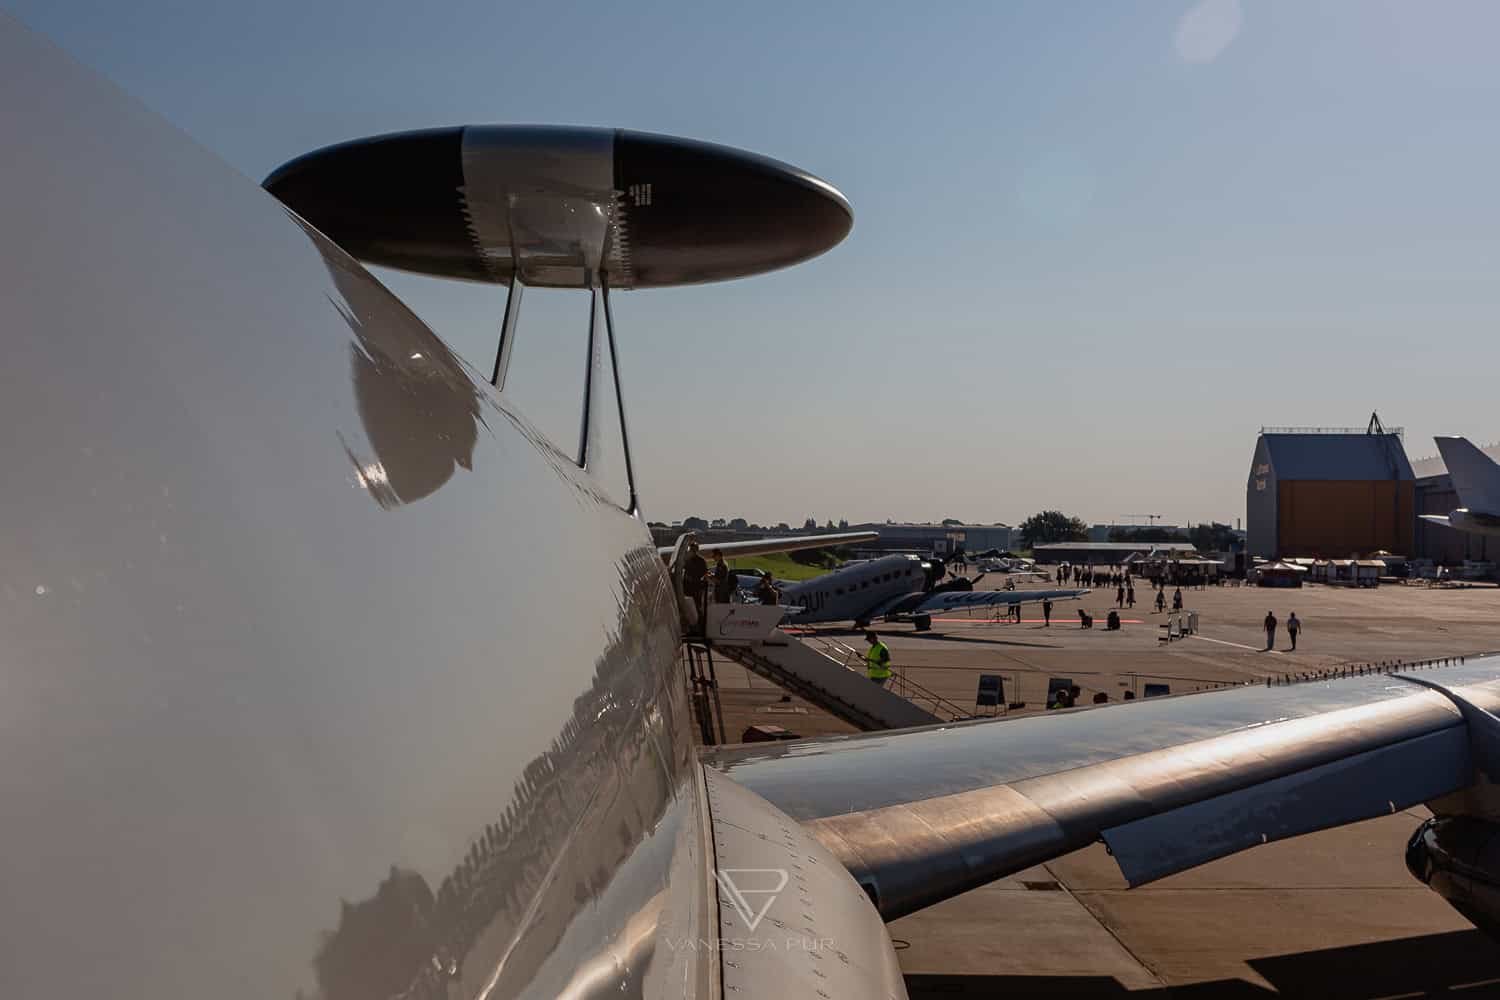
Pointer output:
x,y
1337,518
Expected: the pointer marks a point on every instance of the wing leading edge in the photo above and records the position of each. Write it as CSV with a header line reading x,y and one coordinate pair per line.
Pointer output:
x,y
764,546
961,599
918,603
921,815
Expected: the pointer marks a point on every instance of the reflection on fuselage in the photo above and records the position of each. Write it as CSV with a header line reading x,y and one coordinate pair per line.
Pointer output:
x,y
418,409
555,862
606,785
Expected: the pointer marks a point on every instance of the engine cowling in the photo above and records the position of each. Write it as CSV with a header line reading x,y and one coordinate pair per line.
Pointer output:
x,y
1458,857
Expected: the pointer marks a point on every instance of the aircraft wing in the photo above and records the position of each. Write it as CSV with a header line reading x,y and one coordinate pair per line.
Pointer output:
x,y
918,603
762,546
920,815
958,600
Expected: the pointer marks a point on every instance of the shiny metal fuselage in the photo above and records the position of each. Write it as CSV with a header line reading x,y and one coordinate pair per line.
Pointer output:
x,y
324,674
851,592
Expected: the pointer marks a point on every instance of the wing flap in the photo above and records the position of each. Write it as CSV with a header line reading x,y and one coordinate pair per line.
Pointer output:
x,y
1370,784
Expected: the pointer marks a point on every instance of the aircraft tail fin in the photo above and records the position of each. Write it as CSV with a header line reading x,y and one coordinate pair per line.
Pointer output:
x,y
1476,476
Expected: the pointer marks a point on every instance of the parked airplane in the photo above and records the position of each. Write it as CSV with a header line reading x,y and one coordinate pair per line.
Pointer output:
x,y
1015,567
327,675
898,587
1476,479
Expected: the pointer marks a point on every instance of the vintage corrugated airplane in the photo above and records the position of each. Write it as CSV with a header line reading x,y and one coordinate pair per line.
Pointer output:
x,y
897,588
327,676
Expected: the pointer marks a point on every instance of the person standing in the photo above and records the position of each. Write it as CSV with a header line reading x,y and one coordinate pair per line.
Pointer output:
x,y
1270,625
1177,599
695,579
1047,613
766,590
1120,596
1293,626
723,580
1161,602
877,660
1129,593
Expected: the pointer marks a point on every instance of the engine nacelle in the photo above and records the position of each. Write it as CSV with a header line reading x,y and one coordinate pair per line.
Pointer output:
x,y
1458,857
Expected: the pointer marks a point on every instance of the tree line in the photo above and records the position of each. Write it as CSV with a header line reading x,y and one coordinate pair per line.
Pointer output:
x,y
1050,526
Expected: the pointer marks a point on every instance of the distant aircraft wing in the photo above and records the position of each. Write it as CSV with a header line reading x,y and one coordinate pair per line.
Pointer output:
x,y
762,546
921,603
958,600
1168,783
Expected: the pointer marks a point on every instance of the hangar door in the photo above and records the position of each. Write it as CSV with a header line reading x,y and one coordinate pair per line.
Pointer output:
x,y
1335,519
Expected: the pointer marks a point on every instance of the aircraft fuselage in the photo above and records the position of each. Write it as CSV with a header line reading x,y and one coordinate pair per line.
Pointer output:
x,y
852,591
321,664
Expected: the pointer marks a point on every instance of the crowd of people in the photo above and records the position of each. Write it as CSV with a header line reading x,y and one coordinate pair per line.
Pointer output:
x,y
1122,580
1088,576
1157,575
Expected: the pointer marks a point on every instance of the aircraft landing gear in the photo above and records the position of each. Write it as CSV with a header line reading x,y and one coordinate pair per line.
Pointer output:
x,y
923,623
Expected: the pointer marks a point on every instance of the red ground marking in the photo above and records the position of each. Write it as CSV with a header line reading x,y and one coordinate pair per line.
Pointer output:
x,y
1061,620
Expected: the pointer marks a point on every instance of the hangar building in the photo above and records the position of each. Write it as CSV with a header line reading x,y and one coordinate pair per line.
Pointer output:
x,y
1329,492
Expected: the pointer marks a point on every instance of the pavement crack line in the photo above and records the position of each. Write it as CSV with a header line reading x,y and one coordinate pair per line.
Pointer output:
x,y
1149,969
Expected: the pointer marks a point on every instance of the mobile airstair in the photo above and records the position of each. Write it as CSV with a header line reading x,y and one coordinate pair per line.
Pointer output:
x,y
831,675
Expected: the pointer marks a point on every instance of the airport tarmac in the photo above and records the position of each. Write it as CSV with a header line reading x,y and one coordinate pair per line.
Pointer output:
x,y
1330,914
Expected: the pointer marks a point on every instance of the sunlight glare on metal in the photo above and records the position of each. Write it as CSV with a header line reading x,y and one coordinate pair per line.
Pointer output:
x,y
1207,29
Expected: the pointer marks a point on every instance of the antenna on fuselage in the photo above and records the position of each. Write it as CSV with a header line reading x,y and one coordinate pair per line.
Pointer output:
x,y
507,344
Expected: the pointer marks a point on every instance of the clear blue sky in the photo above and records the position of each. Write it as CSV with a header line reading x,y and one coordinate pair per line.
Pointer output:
x,y
1096,246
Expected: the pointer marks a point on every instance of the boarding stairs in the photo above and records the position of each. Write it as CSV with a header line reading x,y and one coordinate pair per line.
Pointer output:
x,y
830,674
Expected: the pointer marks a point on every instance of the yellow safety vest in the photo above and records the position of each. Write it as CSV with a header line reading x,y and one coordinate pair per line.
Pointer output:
x,y
878,662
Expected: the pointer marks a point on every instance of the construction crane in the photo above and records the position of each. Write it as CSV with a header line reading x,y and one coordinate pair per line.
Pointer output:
x,y
1151,519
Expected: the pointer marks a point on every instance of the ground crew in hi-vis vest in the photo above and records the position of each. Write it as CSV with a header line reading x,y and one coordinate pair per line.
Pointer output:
x,y
877,659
